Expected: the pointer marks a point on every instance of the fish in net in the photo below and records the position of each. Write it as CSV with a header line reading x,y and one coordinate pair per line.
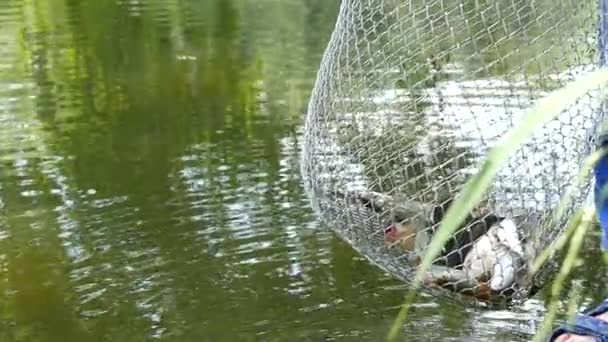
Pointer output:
x,y
409,98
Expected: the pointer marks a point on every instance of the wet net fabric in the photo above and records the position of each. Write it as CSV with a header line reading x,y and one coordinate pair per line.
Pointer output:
x,y
409,98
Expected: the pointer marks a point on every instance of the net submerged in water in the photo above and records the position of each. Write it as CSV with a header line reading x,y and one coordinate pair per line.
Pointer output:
x,y
410,97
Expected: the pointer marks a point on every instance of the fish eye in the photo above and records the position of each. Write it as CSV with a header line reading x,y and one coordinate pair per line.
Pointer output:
x,y
389,229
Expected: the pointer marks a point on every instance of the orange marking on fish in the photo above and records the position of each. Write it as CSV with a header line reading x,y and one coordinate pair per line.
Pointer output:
x,y
404,235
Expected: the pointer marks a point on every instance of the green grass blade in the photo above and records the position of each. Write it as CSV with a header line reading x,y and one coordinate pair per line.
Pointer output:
x,y
581,177
584,222
543,111
565,201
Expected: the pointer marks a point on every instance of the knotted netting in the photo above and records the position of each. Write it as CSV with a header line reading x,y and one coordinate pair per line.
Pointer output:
x,y
409,98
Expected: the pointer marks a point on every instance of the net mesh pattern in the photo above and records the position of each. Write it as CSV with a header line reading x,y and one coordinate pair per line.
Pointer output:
x,y
409,98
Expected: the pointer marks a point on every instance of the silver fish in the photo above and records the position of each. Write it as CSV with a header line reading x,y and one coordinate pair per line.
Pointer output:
x,y
496,256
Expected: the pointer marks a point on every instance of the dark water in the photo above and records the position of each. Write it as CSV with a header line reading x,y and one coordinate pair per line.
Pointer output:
x,y
149,183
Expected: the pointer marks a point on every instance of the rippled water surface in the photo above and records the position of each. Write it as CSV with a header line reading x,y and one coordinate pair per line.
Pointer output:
x,y
150,188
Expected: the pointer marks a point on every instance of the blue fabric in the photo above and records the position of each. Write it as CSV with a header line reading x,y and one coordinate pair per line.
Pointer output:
x,y
601,200
586,325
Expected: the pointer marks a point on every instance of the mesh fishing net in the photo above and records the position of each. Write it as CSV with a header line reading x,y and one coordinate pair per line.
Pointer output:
x,y
410,97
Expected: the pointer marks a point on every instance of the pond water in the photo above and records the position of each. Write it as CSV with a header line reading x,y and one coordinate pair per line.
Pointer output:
x,y
150,186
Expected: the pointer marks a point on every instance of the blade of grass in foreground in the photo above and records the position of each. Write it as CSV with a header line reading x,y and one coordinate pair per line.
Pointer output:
x,y
543,111
582,222
587,167
566,199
